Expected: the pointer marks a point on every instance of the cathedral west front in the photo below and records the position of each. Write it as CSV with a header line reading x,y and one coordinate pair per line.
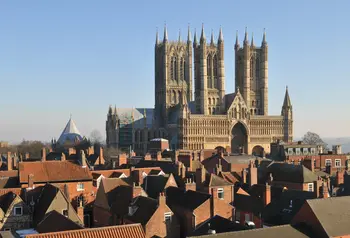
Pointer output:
x,y
192,110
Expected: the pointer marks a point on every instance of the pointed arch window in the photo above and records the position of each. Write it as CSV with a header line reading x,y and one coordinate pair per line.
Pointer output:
x,y
175,69
182,68
252,68
173,97
209,69
215,77
257,68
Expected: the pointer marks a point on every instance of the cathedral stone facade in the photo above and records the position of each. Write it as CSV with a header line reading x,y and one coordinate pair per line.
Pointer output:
x,y
238,122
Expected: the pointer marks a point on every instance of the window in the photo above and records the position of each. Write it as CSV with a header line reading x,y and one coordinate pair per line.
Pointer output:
x,y
80,187
167,217
18,211
338,163
238,216
290,151
305,151
310,187
313,150
65,212
328,162
247,217
221,193
297,151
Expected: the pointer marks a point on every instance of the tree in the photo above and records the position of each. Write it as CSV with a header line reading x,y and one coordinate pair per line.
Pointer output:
x,y
32,147
312,138
96,137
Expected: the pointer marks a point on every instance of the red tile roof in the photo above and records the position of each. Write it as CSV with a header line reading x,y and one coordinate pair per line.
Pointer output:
x,y
9,173
53,171
125,231
16,191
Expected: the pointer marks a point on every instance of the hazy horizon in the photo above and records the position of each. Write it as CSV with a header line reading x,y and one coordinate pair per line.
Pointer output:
x,y
62,58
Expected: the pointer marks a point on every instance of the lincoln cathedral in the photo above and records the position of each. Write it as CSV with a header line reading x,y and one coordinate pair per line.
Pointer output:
x,y
198,114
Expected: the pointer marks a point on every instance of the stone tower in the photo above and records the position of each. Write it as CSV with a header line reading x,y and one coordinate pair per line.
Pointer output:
x,y
209,74
173,74
251,64
112,128
287,113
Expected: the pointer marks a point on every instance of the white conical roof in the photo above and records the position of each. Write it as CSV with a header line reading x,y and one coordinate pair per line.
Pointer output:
x,y
70,133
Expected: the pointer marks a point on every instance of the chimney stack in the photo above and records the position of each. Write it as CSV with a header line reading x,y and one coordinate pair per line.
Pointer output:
x,y
244,176
43,154
324,191
31,181
253,173
339,178
91,150
101,158
162,199
159,155
148,156
176,155
9,161
80,212
122,159
26,156
63,157
267,194
82,158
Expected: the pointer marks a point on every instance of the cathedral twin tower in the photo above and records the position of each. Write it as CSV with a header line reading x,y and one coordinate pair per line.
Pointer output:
x,y
174,61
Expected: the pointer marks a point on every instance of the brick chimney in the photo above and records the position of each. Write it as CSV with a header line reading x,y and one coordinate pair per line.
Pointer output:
x,y
91,151
122,159
31,181
101,159
136,175
244,176
15,161
324,191
200,177
176,155
267,195
339,178
9,161
136,190
80,212
159,155
308,163
162,200
148,156
190,184
63,157
253,173
82,158
43,154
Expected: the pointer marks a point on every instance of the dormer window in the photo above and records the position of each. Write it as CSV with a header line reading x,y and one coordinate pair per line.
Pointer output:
x,y
18,211
297,151
221,193
305,151
290,151
167,217
310,187
80,187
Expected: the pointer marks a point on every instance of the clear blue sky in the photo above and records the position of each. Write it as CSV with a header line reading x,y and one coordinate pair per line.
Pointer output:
x,y
63,57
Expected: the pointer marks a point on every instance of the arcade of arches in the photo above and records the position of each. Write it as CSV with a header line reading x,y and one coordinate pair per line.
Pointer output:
x,y
239,141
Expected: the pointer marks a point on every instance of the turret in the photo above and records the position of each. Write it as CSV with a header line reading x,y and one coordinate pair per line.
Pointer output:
x,y
246,69
287,109
165,38
189,37
264,74
203,38
221,37
221,70
264,43
246,41
237,46
157,38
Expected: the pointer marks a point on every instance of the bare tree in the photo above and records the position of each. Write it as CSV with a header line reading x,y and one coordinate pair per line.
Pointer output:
x,y
312,138
32,147
96,137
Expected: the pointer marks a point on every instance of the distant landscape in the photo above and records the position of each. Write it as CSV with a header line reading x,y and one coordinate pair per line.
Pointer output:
x,y
343,141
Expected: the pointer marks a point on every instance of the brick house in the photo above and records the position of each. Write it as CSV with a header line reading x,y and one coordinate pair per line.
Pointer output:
x,y
326,217
190,207
155,216
51,198
14,212
76,179
292,176
112,200
220,190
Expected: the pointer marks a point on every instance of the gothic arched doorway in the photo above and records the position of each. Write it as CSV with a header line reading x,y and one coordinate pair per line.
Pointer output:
x,y
239,142
258,151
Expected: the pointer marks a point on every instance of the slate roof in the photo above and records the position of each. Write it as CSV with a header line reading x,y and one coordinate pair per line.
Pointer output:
x,y
154,184
213,180
54,222
145,208
281,211
125,116
291,173
6,200
285,231
219,224
186,199
333,214
70,133
53,171
125,231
